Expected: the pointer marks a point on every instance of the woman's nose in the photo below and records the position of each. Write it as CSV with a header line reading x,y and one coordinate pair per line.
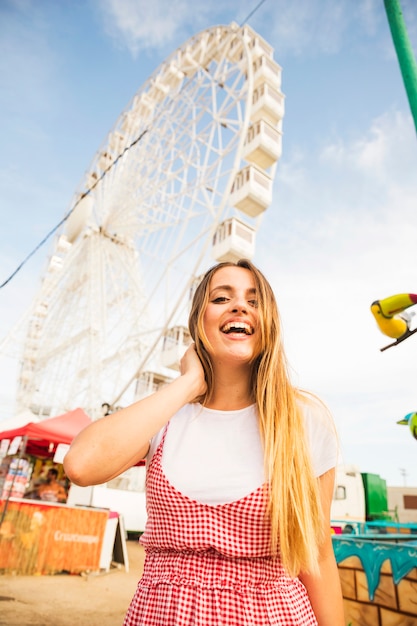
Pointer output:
x,y
239,304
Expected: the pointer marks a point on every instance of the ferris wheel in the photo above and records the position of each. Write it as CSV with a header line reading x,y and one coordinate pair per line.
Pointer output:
x,y
181,181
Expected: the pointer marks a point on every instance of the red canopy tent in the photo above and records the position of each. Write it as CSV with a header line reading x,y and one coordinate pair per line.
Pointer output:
x,y
40,435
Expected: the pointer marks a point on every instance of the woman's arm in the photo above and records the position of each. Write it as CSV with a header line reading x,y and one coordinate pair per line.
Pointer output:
x,y
324,590
112,444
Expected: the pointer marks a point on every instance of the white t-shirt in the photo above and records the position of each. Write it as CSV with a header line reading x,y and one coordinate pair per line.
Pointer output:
x,y
216,457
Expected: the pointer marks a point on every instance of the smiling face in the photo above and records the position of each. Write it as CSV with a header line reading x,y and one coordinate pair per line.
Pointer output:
x,y
251,334
231,316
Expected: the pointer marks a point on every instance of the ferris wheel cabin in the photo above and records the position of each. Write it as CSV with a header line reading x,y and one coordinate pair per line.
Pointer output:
x,y
267,104
233,240
172,75
78,218
105,160
263,144
258,46
117,142
143,105
266,70
251,191
149,382
158,90
176,341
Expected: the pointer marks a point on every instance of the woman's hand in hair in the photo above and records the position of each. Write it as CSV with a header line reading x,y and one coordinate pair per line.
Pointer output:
x,y
191,367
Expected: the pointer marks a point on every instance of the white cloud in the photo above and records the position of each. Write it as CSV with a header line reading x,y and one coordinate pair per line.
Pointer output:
x,y
320,27
383,153
141,25
366,12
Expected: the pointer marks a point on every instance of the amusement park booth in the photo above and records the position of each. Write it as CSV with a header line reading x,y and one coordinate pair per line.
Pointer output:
x,y
43,537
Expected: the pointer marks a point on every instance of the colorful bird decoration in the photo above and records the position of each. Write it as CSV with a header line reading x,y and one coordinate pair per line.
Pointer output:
x,y
411,420
391,319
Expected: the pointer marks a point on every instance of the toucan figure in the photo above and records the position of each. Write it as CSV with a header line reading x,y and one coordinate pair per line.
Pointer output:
x,y
411,420
391,319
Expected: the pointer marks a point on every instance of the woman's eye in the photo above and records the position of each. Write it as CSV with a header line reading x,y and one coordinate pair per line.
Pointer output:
x,y
219,299
253,303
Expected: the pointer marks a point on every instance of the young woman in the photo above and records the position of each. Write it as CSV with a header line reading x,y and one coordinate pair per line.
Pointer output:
x,y
240,473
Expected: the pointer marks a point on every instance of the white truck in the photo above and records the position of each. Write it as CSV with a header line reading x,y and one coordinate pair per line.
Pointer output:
x,y
362,497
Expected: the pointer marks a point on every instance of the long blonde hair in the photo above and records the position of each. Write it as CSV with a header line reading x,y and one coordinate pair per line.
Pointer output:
x,y
294,504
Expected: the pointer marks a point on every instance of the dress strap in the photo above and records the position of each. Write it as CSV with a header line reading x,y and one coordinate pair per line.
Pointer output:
x,y
157,455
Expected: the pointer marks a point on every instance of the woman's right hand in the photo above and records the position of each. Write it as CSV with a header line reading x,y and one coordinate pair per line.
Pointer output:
x,y
191,366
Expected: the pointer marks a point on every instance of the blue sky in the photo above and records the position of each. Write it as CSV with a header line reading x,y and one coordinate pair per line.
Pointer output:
x,y
340,232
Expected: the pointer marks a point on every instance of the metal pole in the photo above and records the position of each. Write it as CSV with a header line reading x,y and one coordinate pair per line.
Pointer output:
x,y
405,54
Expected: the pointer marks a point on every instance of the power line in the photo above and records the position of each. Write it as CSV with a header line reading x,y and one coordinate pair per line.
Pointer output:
x,y
64,219
44,240
252,12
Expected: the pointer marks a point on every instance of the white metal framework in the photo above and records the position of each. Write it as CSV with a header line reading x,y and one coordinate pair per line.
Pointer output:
x,y
169,174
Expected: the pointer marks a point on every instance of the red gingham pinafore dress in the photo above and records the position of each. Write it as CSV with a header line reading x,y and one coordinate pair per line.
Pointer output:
x,y
210,565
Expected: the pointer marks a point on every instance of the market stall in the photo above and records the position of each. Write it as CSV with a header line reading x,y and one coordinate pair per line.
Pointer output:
x,y
29,451
42,438
47,538
39,536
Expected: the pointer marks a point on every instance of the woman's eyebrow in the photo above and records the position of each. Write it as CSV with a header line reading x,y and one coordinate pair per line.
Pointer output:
x,y
229,288
222,288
